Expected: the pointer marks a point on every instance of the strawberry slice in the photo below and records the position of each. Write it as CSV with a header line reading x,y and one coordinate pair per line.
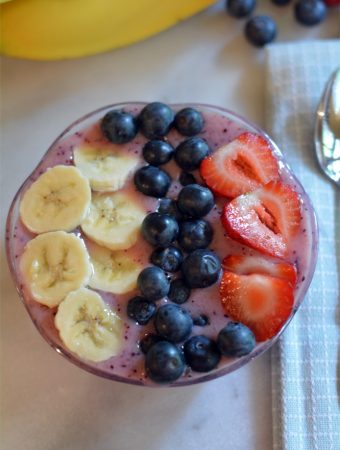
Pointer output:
x,y
265,219
241,166
261,302
247,265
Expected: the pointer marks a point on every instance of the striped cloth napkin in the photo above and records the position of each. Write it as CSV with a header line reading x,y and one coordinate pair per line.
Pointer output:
x,y
306,359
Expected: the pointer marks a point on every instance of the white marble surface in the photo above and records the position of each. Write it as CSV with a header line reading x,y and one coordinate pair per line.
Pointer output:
x,y
47,403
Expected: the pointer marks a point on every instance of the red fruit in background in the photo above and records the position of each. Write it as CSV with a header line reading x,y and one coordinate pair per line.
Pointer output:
x,y
332,2
241,166
265,219
260,302
247,265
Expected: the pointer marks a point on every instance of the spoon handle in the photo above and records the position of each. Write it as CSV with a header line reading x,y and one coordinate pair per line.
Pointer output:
x,y
327,129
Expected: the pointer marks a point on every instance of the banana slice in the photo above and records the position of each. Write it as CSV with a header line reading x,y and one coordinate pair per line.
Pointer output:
x,y
114,220
53,264
113,271
105,168
88,327
58,200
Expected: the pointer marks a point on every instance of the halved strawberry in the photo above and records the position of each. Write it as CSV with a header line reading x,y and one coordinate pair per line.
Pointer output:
x,y
265,219
261,302
247,265
241,166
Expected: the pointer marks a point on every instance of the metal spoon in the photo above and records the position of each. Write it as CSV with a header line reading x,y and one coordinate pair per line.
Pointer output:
x,y
327,129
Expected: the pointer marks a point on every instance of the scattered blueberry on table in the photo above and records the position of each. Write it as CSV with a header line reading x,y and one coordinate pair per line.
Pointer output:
x,y
240,8
260,30
310,12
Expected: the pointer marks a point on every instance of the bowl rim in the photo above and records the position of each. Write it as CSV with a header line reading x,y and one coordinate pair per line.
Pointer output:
x,y
237,362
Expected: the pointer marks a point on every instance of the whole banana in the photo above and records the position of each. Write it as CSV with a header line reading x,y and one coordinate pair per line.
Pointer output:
x,y
54,29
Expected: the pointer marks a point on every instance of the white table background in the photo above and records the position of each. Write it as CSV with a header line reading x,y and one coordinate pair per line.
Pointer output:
x,y
47,403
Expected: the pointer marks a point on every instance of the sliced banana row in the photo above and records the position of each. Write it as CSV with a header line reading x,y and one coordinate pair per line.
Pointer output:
x,y
88,327
106,169
56,265
58,200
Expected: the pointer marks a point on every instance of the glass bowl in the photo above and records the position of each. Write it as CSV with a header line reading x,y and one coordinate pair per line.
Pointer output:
x,y
42,317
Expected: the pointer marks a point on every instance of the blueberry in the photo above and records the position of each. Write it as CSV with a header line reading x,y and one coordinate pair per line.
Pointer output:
x,y
195,200
280,2
194,234
260,30
190,153
201,353
159,229
157,152
152,181
153,283
310,12
235,339
140,309
240,8
155,120
169,259
186,178
164,362
201,269
179,292
169,206
189,121
148,341
201,321
173,323
119,127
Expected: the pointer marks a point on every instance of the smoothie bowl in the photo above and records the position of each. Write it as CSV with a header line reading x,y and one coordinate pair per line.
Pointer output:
x,y
161,244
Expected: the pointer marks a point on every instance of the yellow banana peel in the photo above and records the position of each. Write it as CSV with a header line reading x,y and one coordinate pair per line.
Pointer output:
x,y
58,29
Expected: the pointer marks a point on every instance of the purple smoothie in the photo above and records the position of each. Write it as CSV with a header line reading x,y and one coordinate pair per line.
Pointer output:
x,y
220,128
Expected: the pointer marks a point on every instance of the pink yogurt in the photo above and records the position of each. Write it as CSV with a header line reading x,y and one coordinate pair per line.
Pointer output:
x,y
220,127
